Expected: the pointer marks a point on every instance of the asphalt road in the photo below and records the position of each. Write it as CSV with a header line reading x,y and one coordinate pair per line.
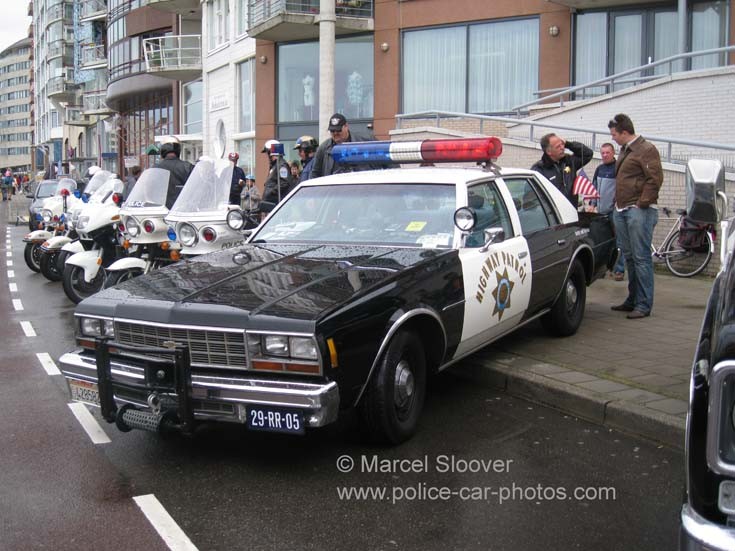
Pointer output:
x,y
523,477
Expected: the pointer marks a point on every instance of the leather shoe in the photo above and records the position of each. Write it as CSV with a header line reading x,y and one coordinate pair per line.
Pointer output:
x,y
637,314
622,308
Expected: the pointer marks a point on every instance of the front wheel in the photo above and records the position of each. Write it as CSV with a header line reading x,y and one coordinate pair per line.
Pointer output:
x,y
686,262
567,312
49,266
32,256
76,288
61,260
118,276
394,397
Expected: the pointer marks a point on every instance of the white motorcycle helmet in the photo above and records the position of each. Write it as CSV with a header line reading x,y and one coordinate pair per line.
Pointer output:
x,y
268,146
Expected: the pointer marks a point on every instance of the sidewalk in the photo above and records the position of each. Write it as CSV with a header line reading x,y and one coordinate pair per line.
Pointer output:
x,y
632,375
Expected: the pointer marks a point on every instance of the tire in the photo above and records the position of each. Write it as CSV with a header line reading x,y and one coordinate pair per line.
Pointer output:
x,y
389,413
118,276
61,261
567,312
685,262
49,266
76,288
32,256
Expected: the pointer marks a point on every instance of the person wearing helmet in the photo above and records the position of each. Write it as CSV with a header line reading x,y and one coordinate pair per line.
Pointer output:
x,y
306,146
279,173
250,197
180,170
238,179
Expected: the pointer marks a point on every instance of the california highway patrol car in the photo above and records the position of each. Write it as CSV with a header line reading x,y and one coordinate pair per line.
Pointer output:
x,y
355,288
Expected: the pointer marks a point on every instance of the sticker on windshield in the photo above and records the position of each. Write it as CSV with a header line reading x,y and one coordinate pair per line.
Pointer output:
x,y
415,226
435,241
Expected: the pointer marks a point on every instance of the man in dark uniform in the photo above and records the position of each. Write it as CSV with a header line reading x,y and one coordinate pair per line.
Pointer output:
x,y
279,173
558,167
238,179
180,170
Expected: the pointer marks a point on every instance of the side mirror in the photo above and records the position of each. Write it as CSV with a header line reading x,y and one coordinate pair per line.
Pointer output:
x,y
492,235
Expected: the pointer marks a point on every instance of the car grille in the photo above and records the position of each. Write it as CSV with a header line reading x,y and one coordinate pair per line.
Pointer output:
x,y
208,348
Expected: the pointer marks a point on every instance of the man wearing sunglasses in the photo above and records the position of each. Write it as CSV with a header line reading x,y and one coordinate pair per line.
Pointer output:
x,y
340,132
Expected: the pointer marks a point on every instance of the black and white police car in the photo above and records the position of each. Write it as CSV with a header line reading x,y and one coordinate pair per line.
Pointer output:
x,y
353,290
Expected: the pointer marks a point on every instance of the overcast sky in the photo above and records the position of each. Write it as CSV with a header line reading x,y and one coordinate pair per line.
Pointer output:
x,y
14,21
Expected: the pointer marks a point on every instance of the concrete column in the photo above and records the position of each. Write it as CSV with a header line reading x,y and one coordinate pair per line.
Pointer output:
x,y
327,21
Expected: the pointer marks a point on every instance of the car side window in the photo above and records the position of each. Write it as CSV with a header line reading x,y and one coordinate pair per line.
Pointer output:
x,y
534,209
491,212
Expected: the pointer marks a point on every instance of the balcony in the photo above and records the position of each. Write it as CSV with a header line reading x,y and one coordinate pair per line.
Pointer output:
x,y
59,11
180,7
93,10
280,20
61,88
93,56
60,48
75,117
93,103
174,57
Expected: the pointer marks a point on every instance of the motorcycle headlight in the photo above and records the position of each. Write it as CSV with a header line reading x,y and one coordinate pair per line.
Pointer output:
x,y
96,327
82,222
187,234
235,220
47,216
132,226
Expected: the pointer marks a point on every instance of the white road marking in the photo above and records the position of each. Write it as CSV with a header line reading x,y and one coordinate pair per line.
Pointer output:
x,y
17,304
9,263
166,526
9,254
13,287
48,363
28,329
11,274
89,423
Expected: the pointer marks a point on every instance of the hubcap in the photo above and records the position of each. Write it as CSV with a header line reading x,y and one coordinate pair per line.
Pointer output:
x,y
404,384
571,291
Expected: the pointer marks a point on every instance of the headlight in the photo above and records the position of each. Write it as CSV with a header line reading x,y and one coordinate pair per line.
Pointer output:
x,y
276,345
96,327
303,348
132,226
254,344
47,216
37,210
235,219
108,327
82,222
187,234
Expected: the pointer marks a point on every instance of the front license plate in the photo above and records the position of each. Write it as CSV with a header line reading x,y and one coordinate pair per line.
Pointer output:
x,y
275,420
82,391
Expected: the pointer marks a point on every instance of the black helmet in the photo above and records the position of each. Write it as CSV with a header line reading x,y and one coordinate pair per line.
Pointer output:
x,y
307,144
170,145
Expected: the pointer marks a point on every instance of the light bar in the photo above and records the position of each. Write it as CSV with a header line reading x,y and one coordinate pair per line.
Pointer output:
x,y
427,151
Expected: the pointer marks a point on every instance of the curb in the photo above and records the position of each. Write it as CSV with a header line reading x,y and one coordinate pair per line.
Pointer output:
x,y
593,406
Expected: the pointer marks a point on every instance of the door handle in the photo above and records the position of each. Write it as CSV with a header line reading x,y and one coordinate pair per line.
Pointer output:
x,y
561,241
523,254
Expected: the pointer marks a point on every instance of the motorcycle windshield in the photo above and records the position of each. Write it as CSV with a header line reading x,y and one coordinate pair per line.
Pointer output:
x,y
105,191
208,187
150,189
65,184
99,178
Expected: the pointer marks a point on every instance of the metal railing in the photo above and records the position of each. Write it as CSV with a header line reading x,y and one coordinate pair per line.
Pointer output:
x,y
75,116
58,85
672,150
609,83
94,101
93,53
173,53
260,11
59,48
93,7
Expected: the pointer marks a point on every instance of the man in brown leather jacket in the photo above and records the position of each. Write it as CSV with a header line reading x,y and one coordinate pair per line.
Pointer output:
x,y
638,178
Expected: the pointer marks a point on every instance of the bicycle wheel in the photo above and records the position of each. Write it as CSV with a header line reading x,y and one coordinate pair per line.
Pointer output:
x,y
685,262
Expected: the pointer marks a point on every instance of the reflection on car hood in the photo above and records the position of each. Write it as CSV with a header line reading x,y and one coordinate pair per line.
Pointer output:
x,y
294,281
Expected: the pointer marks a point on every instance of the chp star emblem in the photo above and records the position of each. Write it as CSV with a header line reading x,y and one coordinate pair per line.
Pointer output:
x,y
501,293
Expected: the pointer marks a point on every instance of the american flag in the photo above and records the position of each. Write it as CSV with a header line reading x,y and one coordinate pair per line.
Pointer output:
x,y
582,186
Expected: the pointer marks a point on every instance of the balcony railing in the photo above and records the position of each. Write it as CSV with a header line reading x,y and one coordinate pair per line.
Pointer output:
x,y
182,7
93,54
93,8
59,48
178,57
75,117
59,11
60,86
94,102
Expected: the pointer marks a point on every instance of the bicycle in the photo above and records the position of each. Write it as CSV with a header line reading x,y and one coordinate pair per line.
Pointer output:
x,y
684,261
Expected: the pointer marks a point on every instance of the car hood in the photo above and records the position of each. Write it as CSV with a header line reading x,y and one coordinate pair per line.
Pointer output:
x,y
293,281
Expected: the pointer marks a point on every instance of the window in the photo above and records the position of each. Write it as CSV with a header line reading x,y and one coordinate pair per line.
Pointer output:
x,y
479,68
193,107
242,17
490,210
247,96
298,79
534,209
246,150
217,21
709,30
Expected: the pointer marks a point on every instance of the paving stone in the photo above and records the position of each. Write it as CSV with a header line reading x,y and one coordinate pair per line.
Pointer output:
x,y
654,380
669,405
545,369
603,386
636,395
573,377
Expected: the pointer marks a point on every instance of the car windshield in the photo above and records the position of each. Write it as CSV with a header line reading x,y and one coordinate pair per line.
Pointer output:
x,y
150,189
419,215
208,187
47,188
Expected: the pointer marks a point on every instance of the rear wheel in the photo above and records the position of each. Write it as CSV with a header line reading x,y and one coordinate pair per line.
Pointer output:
x,y
394,397
61,260
567,312
49,266
76,288
686,262
32,256
118,276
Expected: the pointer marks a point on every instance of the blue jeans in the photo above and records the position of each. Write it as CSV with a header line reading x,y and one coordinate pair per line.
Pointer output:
x,y
634,227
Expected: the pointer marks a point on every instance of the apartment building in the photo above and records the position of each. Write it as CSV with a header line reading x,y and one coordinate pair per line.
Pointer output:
x,y
16,128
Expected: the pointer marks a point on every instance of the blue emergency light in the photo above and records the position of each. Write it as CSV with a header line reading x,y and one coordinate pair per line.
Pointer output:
x,y
426,151
171,233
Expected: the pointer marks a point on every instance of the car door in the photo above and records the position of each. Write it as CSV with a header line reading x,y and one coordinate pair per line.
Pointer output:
x,y
549,242
497,282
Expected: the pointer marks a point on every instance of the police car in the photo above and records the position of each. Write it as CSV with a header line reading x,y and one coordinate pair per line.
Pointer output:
x,y
353,291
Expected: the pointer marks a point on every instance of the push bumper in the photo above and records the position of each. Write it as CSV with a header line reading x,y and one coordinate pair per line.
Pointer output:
x,y
700,534
203,397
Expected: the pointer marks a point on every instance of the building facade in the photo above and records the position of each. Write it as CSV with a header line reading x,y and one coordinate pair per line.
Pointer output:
x,y
16,127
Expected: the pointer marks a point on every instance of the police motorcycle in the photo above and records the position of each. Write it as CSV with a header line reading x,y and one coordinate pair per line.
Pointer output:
x,y
97,227
198,219
142,222
57,249
53,218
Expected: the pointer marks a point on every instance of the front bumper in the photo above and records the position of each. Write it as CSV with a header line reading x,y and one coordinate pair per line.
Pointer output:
x,y
213,398
700,534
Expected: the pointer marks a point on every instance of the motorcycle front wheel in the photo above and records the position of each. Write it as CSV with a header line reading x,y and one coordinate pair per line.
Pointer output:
x,y
49,266
113,278
61,261
76,288
32,256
